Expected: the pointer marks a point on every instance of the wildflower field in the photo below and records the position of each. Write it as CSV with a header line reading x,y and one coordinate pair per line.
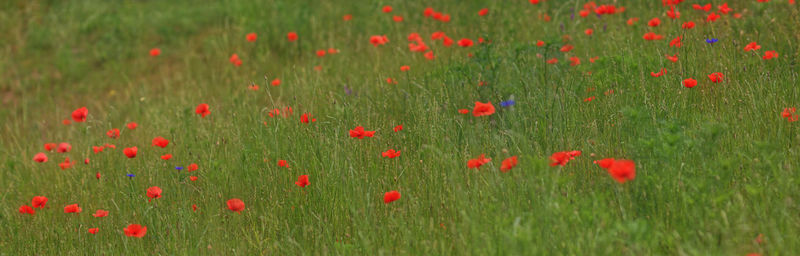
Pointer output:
x,y
501,127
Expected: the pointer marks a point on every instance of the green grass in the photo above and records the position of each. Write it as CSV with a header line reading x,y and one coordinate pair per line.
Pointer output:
x,y
716,164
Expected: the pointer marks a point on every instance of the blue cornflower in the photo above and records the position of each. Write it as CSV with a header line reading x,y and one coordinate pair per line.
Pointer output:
x,y
178,168
507,103
711,40
130,175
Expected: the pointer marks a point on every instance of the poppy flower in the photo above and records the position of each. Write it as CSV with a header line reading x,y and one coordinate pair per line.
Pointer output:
x,y
650,36
302,181
131,126
622,170
378,40
275,82
93,230
193,178
632,21
483,12
97,149
508,164
583,13
73,208
429,55
589,99
566,48
192,167
724,9
97,175
86,161
483,109
712,17
398,128
605,163
688,25
347,17
391,196
397,18
391,153
715,77
283,163
50,146
321,53
561,158
113,133
673,58
770,55
787,113
476,163
40,158
552,61
706,7
588,31
166,156
194,207
26,210
752,46
155,52
660,73
153,192
292,36
236,205
38,201
672,13
540,43
655,22
202,110
135,230
404,68
305,118
160,142
465,42
63,147
252,37
463,111
689,82
235,60
676,42
130,152
574,61
360,133
387,9
100,213
66,164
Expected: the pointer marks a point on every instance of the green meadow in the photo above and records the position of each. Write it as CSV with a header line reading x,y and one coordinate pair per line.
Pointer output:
x,y
716,165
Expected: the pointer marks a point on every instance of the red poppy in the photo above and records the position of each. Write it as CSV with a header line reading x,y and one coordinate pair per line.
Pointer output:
x,y
706,7
40,158
688,25
589,99
86,161
131,126
724,9
583,13
155,52
347,17
397,18
483,12
689,82
465,42
283,163
50,146
712,17
715,77
622,170
672,13
391,153
770,55
650,36
378,40
194,207
552,61
97,175
79,115
302,181
166,156
360,133
676,42
463,111
787,113
305,118
73,208
252,37
398,128
588,31
153,192
605,163
660,73
235,60
482,109
574,61
429,55
655,22
477,162
673,58
135,230
66,164
752,46
632,21
193,178
561,158
130,152
566,48
387,9
202,110
321,53
160,142
63,147
292,36
236,205
93,230
100,213
508,164
26,210
391,196
192,167
38,201
275,82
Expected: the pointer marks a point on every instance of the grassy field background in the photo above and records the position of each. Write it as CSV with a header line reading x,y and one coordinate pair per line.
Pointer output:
x,y
716,165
